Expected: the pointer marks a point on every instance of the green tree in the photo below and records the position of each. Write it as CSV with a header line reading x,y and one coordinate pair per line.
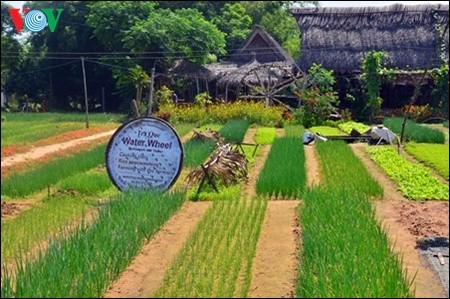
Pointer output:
x,y
235,23
110,20
276,19
318,98
372,67
184,32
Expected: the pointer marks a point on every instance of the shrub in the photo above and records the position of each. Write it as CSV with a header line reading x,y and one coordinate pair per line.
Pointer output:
x,y
254,112
417,113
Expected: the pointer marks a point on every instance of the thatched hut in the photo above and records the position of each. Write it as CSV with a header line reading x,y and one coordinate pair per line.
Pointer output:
x,y
183,68
259,60
338,38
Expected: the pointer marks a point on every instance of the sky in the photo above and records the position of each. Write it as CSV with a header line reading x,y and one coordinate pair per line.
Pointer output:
x,y
19,4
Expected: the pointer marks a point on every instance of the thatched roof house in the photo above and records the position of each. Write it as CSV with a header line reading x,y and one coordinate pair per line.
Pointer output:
x,y
258,52
338,38
186,68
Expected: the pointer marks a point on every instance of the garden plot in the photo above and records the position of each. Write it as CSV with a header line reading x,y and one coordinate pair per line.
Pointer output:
x,y
242,285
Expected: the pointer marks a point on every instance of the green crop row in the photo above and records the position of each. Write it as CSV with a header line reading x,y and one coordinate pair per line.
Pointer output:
x,y
84,263
342,169
196,151
414,131
348,126
432,155
284,170
31,226
294,131
216,260
234,130
327,131
414,181
265,135
25,183
86,183
345,254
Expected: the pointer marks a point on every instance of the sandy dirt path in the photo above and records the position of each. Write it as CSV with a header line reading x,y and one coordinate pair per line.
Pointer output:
x,y
274,269
146,272
42,151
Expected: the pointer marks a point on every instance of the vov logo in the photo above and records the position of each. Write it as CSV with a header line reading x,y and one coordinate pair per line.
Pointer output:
x,y
35,20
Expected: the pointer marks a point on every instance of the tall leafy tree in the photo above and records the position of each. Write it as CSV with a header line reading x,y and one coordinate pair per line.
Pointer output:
x,y
235,23
110,20
182,33
275,18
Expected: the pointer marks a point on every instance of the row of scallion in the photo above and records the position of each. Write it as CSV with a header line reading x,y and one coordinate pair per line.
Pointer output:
x,y
342,169
234,130
415,132
216,260
25,183
85,262
344,251
69,200
284,172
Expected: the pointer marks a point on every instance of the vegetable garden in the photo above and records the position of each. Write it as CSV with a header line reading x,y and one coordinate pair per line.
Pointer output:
x,y
79,234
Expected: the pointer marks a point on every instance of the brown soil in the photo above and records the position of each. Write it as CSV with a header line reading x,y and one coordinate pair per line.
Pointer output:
x,y
312,166
274,269
146,272
42,151
277,243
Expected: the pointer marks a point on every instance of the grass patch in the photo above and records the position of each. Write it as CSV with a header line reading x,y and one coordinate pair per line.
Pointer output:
x,y
196,151
294,131
183,129
22,128
234,130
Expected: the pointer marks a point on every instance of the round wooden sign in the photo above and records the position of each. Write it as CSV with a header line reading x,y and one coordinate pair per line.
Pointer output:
x,y
145,152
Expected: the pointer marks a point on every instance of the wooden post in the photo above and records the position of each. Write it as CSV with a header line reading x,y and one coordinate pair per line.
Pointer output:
x,y
198,86
150,99
226,93
85,93
103,99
